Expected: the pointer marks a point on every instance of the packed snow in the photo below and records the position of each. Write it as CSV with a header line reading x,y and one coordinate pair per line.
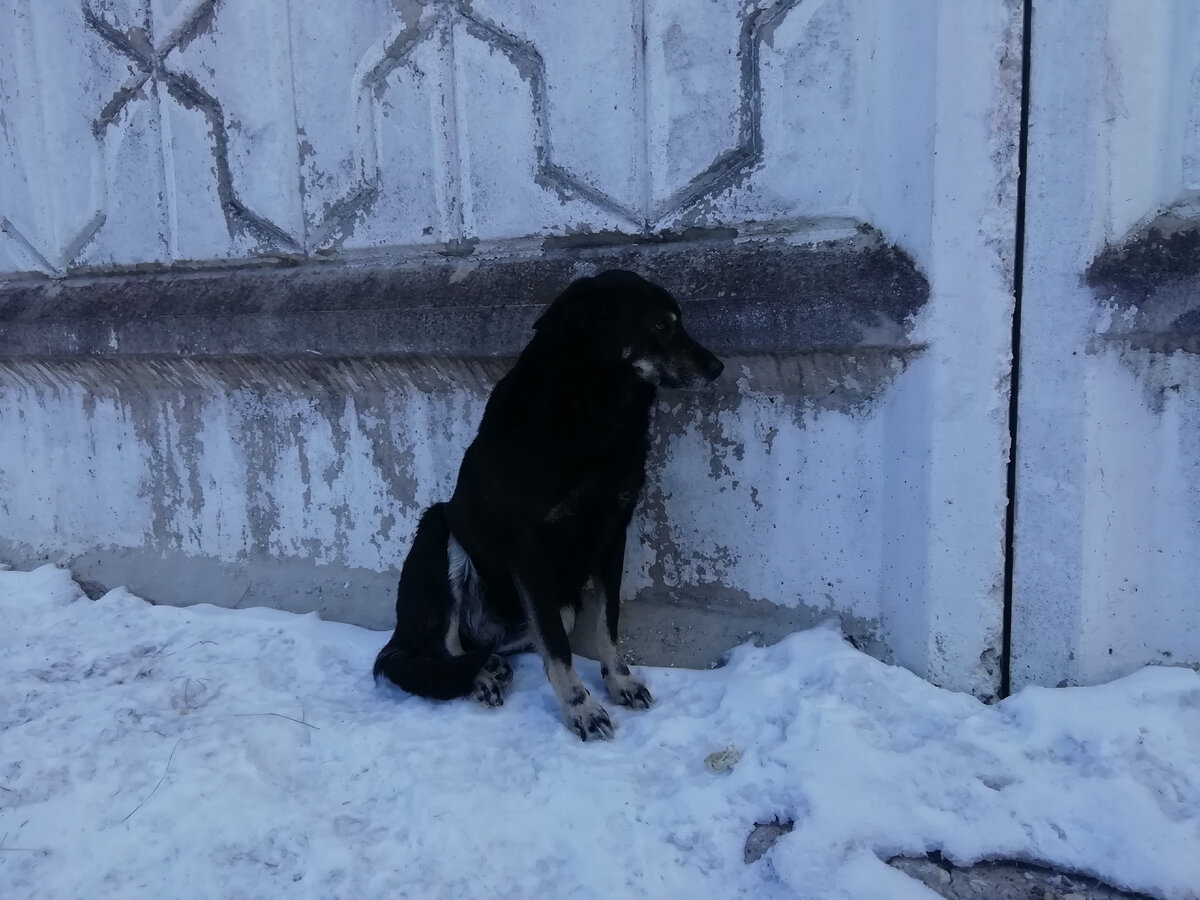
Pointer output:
x,y
150,751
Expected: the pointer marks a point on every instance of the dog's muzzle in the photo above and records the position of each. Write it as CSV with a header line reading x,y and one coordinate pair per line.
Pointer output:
x,y
708,364
692,366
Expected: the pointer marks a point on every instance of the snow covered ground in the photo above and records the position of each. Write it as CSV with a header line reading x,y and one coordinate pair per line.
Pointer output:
x,y
148,751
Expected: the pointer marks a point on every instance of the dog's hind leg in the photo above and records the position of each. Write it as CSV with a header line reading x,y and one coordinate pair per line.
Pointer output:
x,y
425,655
622,687
581,713
470,621
493,681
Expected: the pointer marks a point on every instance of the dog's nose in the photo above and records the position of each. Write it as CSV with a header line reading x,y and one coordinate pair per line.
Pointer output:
x,y
712,367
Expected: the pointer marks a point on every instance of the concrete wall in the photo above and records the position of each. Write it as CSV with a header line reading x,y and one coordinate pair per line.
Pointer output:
x,y
1108,490
265,260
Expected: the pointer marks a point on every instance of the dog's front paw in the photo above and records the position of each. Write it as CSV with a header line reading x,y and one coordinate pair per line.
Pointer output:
x,y
635,695
626,690
587,718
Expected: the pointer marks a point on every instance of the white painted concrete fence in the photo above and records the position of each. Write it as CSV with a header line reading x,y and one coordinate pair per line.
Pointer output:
x,y
195,132
1107,561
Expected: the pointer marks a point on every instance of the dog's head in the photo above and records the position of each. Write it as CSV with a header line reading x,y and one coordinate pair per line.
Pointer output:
x,y
621,317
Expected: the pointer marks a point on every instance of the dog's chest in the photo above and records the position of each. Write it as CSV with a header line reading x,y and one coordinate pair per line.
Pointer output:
x,y
599,501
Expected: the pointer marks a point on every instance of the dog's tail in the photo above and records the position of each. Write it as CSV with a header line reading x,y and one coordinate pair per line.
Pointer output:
x,y
417,658
435,677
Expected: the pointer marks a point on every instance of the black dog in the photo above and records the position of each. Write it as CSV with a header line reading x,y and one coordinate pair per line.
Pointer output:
x,y
544,496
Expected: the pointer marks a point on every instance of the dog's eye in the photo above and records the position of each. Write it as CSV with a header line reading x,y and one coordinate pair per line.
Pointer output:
x,y
660,327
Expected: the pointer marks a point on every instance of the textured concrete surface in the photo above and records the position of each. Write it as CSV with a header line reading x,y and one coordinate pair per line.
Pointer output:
x,y
1108,473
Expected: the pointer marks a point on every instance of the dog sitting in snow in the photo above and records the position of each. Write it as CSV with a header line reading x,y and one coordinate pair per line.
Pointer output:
x,y
544,496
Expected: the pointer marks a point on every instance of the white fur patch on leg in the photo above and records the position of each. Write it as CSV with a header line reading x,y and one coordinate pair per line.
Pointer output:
x,y
622,687
580,711
453,643
626,690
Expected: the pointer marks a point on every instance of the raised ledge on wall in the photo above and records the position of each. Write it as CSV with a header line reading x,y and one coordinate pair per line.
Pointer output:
x,y
771,294
1152,280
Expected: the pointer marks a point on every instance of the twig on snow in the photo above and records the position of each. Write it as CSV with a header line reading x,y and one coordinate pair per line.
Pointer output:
x,y
41,850
282,716
160,781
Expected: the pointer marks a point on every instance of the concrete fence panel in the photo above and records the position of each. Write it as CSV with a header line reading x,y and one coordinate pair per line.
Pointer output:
x,y
1106,561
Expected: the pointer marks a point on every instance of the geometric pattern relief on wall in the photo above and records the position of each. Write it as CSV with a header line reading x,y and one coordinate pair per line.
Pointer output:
x,y
1191,138
155,131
